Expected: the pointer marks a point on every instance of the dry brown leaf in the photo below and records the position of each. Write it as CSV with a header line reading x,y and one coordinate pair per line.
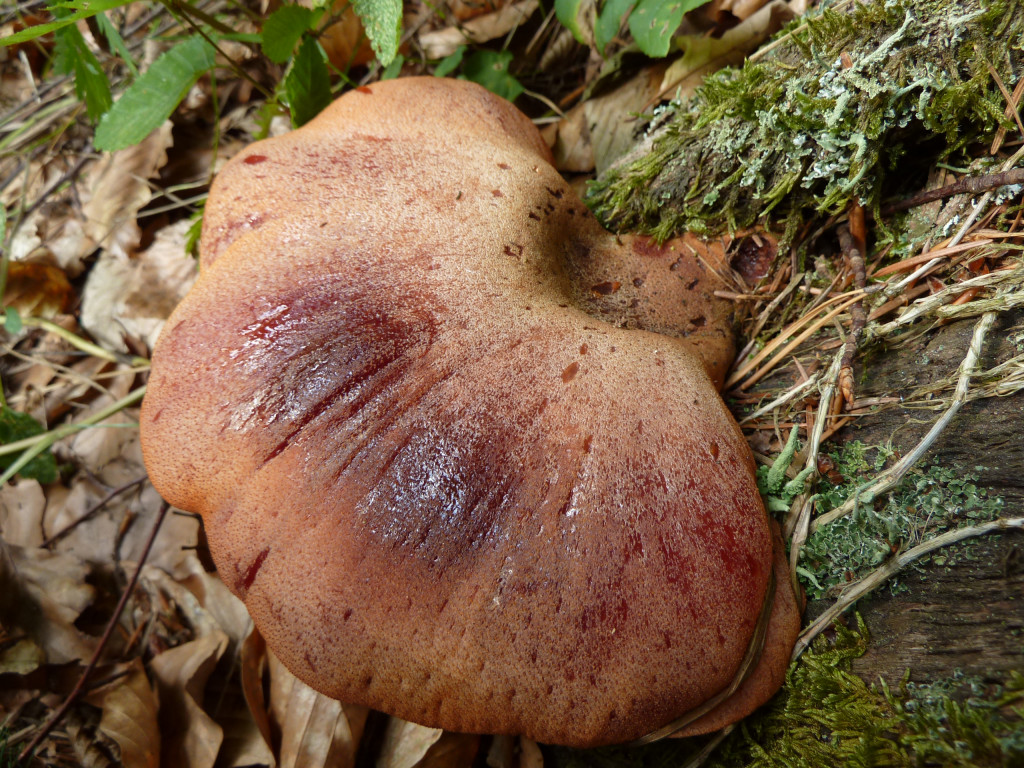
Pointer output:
x,y
130,717
442,42
135,297
22,505
227,611
21,658
37,290
345,42
703,55
181,675
406,744
502,753
316,732
242,712
117,187
253,666
529,754
452,750
43,594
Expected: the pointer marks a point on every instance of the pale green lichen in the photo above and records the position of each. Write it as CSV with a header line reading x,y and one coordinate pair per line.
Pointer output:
x,y
927,502
805,130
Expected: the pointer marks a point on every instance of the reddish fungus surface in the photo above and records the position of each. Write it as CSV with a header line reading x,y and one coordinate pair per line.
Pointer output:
x,y
431,502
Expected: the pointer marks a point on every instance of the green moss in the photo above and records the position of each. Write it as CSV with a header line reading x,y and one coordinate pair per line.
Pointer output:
x,y
827,716
927,502
799,133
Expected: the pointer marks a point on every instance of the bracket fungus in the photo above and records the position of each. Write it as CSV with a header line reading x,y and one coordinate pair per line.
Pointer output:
x,y
458,448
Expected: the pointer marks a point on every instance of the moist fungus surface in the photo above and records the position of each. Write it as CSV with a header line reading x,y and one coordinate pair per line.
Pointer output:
x,y
459,449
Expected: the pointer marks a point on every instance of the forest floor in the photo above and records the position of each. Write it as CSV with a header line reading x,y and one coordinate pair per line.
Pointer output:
x,y
912,436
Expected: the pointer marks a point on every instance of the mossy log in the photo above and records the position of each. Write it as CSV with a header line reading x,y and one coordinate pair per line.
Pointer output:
x,y
962,612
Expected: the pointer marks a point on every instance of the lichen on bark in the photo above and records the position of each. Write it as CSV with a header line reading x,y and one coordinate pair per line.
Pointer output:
x,y
839,109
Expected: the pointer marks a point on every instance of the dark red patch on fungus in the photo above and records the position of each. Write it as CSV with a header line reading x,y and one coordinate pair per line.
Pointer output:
x,y
254,568
606,288
255,159
570,372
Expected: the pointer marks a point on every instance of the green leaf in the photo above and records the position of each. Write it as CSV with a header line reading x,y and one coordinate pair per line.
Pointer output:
x,y
568,13
153,97
490,69
609,22
653,22
307,86
116,42
81,9
382,20
394,69
16,426
450,63
72,56
282,31
12,321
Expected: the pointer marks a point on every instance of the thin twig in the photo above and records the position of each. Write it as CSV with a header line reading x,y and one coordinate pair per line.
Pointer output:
x,y
784,398
80,685
969,185
878,577
92,511
854,253
891,476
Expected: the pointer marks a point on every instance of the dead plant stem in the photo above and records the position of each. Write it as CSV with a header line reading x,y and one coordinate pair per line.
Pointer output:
x,y
889,478
878,577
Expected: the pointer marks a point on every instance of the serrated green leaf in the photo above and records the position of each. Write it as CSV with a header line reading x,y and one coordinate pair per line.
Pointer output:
x,y
450,63
490,69
116,42
153,97
282,31
81,9
72,56
568,13
16,426
609,22
653,22
307,86
382,20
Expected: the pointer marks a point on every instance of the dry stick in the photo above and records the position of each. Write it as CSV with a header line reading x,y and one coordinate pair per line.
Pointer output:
x,y
890,477
1011,111
967,225
92,511
936,301
854,254
765,369
970,185
765,314
784,398
876,578
80,685
796,525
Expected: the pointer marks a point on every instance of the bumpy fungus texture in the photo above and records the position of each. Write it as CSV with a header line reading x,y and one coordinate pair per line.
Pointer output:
x,y
432,451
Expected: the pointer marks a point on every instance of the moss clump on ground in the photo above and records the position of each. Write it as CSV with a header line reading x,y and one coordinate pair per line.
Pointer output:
x,y
928,501
845,99
827,716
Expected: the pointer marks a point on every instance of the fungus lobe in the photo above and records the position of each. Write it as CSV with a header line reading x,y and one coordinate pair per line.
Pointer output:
x,y
431,503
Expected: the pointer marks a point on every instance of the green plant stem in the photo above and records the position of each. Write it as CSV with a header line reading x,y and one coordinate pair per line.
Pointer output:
x,y
49,438
81,344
